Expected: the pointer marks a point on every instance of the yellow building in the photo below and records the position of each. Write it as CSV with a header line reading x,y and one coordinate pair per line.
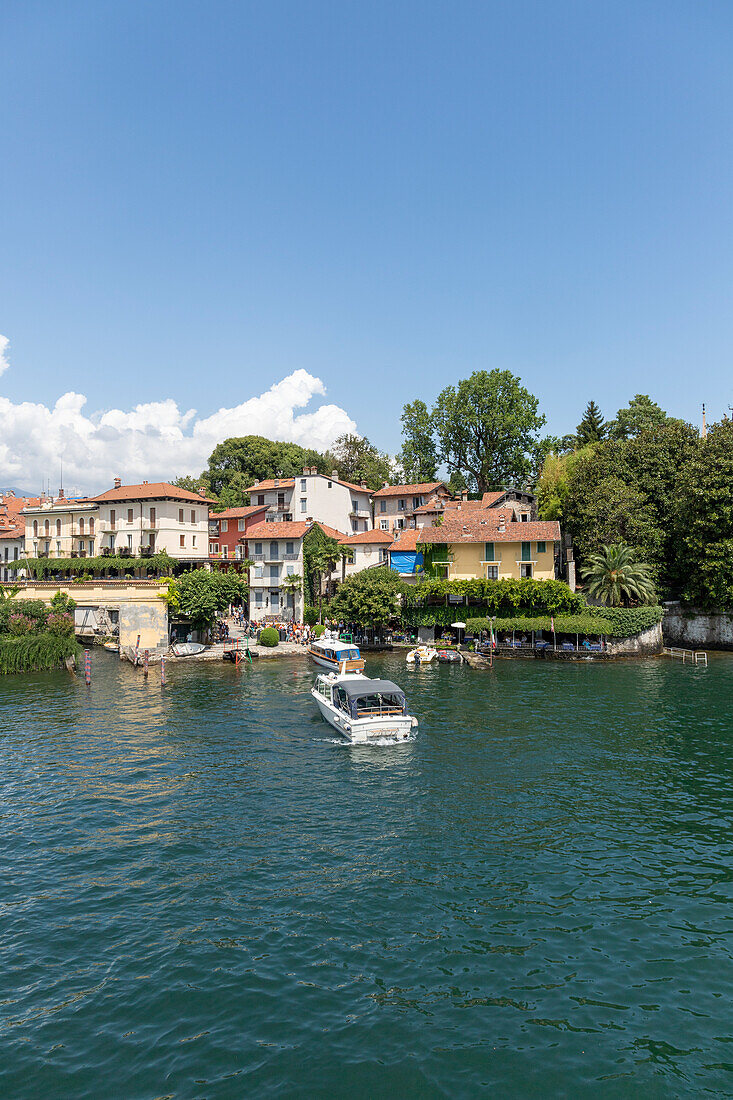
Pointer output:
x,y
486,546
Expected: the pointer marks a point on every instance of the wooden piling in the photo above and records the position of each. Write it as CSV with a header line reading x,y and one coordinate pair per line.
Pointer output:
x,y
87,667
146,658
162,671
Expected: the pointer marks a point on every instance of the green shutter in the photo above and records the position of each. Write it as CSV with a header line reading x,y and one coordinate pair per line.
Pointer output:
x,y
526,551
489,552
541,547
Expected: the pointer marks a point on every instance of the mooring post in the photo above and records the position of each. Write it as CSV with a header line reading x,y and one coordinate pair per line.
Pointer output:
x,y
146,658
162,671
87,667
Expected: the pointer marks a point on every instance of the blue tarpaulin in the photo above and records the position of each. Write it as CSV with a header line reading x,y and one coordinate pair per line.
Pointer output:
x,y
406,562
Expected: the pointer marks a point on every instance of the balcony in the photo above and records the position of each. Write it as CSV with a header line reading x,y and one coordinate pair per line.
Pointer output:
x,y
361,513
257,557
149,524
107,525
146,551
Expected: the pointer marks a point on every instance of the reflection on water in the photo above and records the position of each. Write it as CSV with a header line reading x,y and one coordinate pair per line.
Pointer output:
x,y
204,894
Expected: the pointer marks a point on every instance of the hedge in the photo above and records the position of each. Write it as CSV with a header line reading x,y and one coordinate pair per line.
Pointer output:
x,y
41,567
35,652
269,637
613,622
491,597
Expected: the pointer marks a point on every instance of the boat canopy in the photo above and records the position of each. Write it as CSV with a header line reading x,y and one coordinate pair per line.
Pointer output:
x,y
337,651
371,695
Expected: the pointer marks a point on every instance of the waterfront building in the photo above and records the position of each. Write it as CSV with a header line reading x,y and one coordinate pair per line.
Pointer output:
x,y
489,544
314,498
12,533
368,548
228,532
127,520
400,506
405,555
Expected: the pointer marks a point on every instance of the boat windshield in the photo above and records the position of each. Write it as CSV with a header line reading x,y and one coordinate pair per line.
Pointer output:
x,y
377,703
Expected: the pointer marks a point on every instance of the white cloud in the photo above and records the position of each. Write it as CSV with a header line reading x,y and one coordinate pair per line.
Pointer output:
x,y
4,364
155,441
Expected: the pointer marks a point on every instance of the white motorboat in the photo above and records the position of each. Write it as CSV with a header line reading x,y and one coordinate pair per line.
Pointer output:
x,y
363,710
423,654
330,652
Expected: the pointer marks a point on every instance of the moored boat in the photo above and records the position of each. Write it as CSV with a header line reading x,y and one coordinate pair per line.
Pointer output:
x,y
363,710
330,652
422,654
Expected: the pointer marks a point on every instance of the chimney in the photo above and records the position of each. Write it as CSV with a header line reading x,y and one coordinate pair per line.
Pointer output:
x,y
704,432
385,484
362,484
61,494
334,475
502,521
202,491
118,482
306,470
464,494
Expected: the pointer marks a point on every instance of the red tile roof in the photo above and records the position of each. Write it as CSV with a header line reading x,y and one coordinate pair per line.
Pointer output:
x,y
406,539
418,489
238,513
330,531
272,483
475,530
488,500
150,490
366,538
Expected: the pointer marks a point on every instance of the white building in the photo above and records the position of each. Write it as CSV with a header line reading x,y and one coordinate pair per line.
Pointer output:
x,y
397,506
276,551
314,497
369,548
127,520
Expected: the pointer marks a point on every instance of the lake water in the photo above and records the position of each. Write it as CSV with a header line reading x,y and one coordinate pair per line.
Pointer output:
x,y
202,895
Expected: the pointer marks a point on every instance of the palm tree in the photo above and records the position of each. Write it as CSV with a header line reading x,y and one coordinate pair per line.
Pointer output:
x,y
615,577
293,582
9,592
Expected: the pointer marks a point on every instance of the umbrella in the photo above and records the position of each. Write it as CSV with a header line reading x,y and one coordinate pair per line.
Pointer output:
x,y
459,626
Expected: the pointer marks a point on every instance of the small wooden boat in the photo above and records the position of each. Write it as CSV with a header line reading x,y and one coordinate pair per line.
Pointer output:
x,y
423,654
113,647
448,656
187,649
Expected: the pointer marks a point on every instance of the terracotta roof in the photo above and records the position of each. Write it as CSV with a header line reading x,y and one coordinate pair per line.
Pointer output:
x,y
462,505
330,531
420,488
272,483
352,486
283,530
238,513
488,500
474,530
150,490
406,539
367,537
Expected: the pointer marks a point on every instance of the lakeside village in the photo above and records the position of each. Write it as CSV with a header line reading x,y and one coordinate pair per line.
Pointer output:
x,y
156,566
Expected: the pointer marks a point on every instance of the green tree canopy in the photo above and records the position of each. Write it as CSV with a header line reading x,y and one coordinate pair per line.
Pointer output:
x,y
418,457
355,459
592,428
369,598
486,429
199,594
237,463
641,415
704,520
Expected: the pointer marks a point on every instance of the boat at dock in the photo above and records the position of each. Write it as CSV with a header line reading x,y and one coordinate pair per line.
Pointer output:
x,y
363,710
330,652
422,654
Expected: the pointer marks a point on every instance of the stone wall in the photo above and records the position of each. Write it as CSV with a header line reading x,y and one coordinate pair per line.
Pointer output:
x,y
645,644
149,621
691,628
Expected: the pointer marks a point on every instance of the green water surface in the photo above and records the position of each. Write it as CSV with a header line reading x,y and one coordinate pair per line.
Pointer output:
x,y
203,895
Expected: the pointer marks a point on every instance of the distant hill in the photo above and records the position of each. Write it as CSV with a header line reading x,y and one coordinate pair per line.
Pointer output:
x,y
18,492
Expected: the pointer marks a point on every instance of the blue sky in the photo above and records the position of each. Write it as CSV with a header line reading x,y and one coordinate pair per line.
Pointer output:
x,y
200,199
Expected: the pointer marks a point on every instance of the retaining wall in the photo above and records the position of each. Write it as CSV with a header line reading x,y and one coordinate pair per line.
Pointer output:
x,y
691,628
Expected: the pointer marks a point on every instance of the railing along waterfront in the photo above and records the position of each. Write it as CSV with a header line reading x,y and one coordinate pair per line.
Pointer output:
x,y
694,656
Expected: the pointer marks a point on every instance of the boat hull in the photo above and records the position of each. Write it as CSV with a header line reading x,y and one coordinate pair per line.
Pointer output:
x,y
336,666
362,731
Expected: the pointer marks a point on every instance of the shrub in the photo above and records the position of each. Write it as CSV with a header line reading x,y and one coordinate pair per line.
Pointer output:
x,y
61,626
269,637
19,625
62,604
35,652
318,629
310,616
613,622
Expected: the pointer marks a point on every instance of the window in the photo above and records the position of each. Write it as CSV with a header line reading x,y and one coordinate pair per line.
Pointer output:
x,y
302,485
384,524
129,542
354,524
180,515
261,498
112,518
258,572
193,540
541,547
303,504
35,528
193,515
152,515
383,506
489,552
46,528
400,505
225,552
274,550
224,525
213,547
524,517
58,526
91,525
240,524
399,523
81,525
289,547
91,549
274,572
526,551
416,502
129,515
492,572
181,541
281,500
58,550
525,570
258,548
330,484
289,569
258,597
